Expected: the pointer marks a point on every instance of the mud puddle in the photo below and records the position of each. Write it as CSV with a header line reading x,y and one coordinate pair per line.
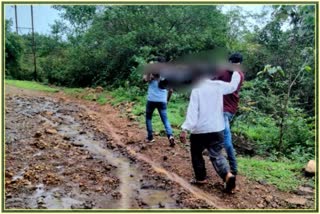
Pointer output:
x,y
63,164
130,177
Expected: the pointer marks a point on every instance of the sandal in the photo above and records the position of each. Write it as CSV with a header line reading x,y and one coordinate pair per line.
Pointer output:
x,y
197,182
230,184
171,141
149,141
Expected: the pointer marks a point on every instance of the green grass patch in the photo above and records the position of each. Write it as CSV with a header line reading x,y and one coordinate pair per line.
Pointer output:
x,y
31,85
286,176
102,98
73,91
99,98
257,127
90,97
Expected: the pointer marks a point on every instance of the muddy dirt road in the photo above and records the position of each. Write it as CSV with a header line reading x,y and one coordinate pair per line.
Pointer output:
x,y
65,153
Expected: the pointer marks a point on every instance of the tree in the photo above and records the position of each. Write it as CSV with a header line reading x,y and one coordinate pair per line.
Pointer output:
x,y
58,29
80,18
14,49
290,46
116,42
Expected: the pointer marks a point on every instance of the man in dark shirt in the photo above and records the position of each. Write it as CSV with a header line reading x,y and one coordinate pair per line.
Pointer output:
x,y
230,105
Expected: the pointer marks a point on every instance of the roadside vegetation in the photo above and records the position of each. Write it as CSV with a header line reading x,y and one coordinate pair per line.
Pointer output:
x,y
91,46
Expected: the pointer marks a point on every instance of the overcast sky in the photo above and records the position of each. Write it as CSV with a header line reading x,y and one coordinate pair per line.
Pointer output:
x,y
44,16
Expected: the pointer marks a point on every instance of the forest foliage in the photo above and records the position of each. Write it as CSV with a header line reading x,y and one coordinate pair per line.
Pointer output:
x,y
104,46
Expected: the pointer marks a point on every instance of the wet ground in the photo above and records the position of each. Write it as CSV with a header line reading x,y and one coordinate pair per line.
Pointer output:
x,y
64,153
56,160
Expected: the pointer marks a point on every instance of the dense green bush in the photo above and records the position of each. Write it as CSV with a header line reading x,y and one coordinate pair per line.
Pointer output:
x,y
13,54
257,120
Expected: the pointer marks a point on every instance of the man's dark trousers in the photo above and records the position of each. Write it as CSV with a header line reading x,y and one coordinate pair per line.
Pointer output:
x,y
214,143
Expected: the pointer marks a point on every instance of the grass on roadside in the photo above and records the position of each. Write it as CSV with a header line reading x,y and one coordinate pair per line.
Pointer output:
x,y
286,176
97,97
73,91
31,85
76,92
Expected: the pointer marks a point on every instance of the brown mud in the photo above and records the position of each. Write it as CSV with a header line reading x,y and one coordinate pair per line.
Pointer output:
x,y
66,153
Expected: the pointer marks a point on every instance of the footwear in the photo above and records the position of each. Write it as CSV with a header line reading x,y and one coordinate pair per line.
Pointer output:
x,y
197,182
230,183
235,186
171,141
149,141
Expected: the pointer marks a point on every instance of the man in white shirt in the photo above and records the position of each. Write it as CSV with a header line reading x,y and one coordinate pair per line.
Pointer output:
x,y
205,121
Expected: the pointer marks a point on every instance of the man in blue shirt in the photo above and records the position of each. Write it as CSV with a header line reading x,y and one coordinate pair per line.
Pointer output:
x,y
157,99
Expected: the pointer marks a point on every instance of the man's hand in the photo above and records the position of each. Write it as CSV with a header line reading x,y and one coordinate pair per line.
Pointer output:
x,y
146,77
183,136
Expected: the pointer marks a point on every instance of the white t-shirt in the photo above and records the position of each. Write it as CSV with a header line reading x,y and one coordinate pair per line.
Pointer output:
x,y
205,110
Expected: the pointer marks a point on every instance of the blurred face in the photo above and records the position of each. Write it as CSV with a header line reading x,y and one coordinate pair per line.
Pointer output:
x,y
235,65
155,75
